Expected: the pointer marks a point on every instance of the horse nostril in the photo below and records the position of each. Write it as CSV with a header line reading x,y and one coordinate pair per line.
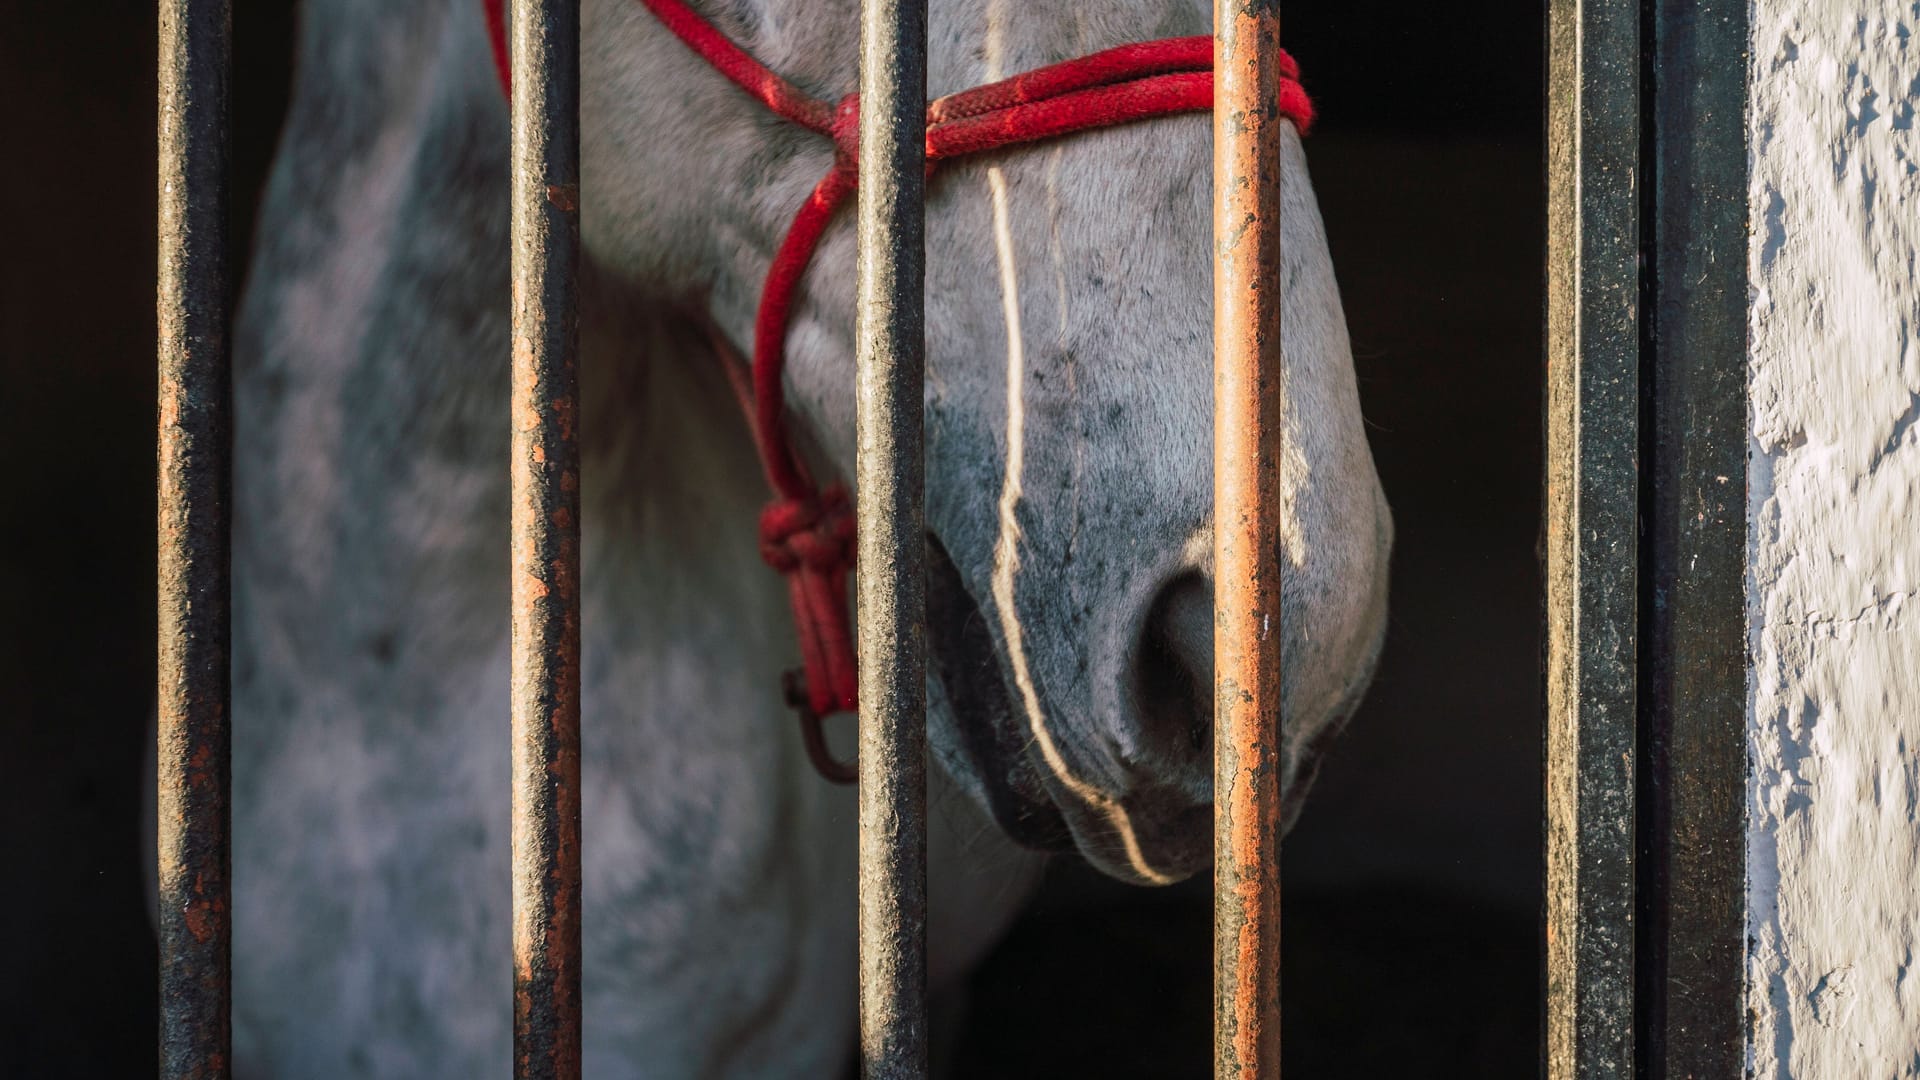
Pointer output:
x,y
1174,672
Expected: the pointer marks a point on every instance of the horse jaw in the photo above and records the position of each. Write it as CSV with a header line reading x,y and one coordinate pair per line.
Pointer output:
x,y
1069,448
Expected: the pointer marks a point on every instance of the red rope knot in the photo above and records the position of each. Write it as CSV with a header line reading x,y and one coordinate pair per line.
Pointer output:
x,y
814,532
809,539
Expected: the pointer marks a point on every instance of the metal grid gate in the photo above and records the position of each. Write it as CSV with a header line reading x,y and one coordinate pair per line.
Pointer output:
x,y
194,526
1644,532
1645,700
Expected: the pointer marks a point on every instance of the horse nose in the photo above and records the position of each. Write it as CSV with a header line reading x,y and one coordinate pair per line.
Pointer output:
x,y
1173,677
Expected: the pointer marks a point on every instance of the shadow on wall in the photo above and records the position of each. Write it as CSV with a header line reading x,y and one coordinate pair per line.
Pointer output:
x,y
1413,897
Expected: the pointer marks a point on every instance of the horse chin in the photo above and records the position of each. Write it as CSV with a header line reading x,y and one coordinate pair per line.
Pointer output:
x,y
1024,799
994,746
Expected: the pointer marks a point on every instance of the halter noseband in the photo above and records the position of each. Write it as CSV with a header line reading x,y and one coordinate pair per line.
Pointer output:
x,y
807,532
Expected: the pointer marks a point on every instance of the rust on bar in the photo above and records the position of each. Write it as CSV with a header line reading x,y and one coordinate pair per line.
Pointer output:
x,y
1248,406
545,466
195,488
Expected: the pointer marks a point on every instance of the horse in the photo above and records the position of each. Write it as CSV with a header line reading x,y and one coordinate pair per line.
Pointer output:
x,y
1068,465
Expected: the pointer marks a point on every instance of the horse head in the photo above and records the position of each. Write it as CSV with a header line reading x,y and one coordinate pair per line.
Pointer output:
x,y
1068,401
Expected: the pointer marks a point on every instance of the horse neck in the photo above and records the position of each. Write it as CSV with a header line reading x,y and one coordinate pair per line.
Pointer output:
x,y
371,355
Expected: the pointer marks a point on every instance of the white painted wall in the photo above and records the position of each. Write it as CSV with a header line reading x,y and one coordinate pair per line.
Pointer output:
x,y
1834,600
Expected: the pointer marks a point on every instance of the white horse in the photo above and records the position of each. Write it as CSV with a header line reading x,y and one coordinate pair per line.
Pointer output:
x,y
1069,506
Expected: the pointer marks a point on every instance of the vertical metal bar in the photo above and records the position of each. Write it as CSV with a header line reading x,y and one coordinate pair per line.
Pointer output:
x,y
892,546
1692,878
1248,407
195,488
545,183
1593,163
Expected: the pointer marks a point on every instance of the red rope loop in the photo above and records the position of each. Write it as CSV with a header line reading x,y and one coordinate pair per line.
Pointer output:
x,y
808,534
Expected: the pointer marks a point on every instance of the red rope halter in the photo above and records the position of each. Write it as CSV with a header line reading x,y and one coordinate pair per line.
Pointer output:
x,y
807,533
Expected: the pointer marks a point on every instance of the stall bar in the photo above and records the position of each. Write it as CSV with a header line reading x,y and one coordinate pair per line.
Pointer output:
x,y
1248,385
545,465
890,358
195,500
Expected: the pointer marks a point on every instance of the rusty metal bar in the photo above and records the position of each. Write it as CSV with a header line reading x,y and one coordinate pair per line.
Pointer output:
x,y
545,465
195,489
1247,411
1594,78
890,361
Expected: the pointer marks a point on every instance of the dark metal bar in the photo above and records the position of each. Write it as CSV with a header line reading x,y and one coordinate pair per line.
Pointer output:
x,y
891,358
1693,692
195,499
1593,163
545,183
1248,407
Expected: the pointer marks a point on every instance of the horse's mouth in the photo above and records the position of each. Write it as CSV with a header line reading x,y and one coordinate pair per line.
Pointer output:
x,y
961,651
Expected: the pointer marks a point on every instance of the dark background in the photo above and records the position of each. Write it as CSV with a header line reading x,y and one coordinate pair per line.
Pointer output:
x,y
1413,879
